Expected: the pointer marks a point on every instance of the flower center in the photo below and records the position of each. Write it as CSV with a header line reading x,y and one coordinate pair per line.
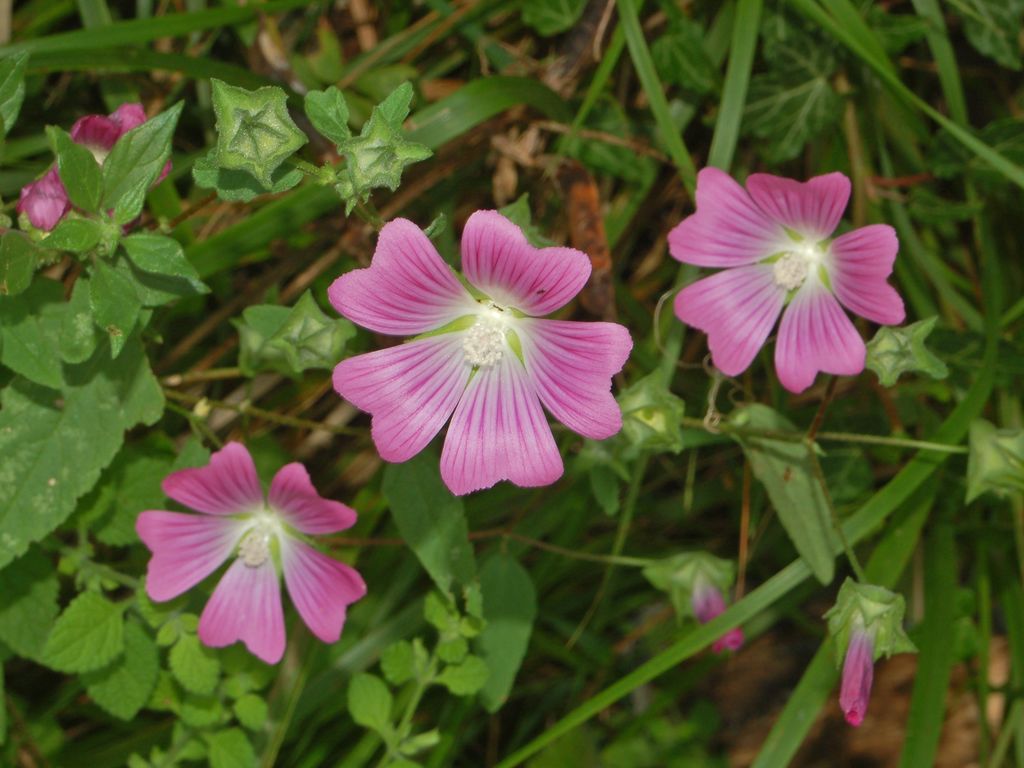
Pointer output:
x,y
484,342
254,548
98,152
793,267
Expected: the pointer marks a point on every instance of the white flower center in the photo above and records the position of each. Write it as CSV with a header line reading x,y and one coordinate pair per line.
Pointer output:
x,y
484,343
254,548
794,266
98,152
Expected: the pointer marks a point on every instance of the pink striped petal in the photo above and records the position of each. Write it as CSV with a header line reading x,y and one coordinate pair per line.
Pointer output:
x,y
186,549
407,289
102,132
499,432
737,308
859,263
45,201
727,230
816,335
571,365
498,260
410,390
226,486
812,208
292,494
320,587
246,606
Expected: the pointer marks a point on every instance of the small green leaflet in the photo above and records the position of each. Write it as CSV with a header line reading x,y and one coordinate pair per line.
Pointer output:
x,y
161,255
680,57
75,235
549,17
29,608
87,636
328,112
79,171
518,212
895,351
115,304
19,258
465,678
124,687
230,748
370,702
194,666
135,162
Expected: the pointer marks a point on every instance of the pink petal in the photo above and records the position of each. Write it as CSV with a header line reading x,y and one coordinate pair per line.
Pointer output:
x,y
292,494
812,208
571,365
727,230
407,289
858,674
499,432
128,116
246,606
96,132
730,641
45,201
816,335
186,549
410,390
320,587
859,263
737,308
226,486
498,260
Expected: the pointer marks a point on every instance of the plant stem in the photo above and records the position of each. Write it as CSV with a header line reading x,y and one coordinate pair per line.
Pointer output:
x,y
247,409
837,524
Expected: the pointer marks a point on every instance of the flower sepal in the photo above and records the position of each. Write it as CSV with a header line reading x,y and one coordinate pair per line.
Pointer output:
x,y
871,609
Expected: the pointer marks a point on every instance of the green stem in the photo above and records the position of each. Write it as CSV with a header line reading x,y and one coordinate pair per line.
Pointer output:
x,y
837,524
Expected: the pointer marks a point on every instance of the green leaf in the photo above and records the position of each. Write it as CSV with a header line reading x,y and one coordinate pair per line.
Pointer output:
x,y
510,608
787,473
255,133
124,687
251,711
75,235
996,460
328,113
651,417
12,88
78,333
397,661
549,17
88,635
291,340
27,612
202,711
871,607
680,57
370,702
194,666
895,351
30,326
519,213
162,255
379,154
55,444
19,258
136,161
230,748
79,171
993,28
465,679
240,186
793,101
430,520
115,304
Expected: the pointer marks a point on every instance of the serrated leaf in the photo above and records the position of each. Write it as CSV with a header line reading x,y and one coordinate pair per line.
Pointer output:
x,y
465,679
549,17
255,133
230,748
949,159
75,235
79,172
162,255
328,112
786,471
29,606
240,186
55,444
370,702
114,303
12,88
251,711
78,333
996,460
192,665
397,661
19,258
680,57
88,635
993,27
510,608
136,161
898,350
519,213
124,688
30,327
430,520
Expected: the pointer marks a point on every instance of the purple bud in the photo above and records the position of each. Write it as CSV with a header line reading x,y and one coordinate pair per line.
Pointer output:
x,y
858,672
707,602
44,201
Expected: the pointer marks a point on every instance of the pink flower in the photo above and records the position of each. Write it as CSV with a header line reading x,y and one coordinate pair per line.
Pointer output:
x,y
485,359
45,201
858,673
773,239
707,602
263,536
